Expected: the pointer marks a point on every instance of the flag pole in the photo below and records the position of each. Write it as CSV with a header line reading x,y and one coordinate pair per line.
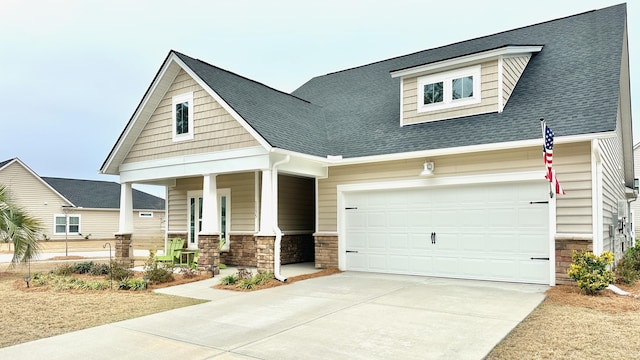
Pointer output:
x,y
542,125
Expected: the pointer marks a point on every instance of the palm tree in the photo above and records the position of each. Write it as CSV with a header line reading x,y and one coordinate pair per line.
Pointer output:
x,y
19,227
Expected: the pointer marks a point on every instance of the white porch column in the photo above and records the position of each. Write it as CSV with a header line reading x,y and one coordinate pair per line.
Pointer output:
x,y
210,224
126,209
267,205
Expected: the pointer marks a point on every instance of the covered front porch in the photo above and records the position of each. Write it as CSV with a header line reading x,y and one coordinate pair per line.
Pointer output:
x,y
262,216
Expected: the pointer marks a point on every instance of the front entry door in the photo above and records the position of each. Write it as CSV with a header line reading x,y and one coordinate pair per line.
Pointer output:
x,y
194,209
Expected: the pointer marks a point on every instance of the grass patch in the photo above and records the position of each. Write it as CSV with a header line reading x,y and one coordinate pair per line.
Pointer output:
x,y
39,312
571,325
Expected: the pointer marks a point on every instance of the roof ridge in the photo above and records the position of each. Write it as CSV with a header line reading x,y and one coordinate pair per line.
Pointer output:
x,y
464,41
245,78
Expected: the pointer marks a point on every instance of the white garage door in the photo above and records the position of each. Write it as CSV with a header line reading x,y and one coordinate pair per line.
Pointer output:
x,y
486,231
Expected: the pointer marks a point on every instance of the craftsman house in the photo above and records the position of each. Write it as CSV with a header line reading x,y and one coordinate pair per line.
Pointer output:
x,y
79,209
425,164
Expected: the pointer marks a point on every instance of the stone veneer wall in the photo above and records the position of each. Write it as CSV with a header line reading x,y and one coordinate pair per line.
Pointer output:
x,y
242,251
326,251
296,249
564,250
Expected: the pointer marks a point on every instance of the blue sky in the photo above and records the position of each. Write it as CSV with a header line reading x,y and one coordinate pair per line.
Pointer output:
x,y
73,72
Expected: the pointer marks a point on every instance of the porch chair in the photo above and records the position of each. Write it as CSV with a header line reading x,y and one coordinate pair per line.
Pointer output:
x,y
173,249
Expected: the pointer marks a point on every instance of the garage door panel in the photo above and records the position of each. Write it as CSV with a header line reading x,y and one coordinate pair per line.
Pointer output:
x,y
377,262
398,264
421,264
377,242
483,231
398,219
530,270
398,241
376,220
443,217
472,217
357,262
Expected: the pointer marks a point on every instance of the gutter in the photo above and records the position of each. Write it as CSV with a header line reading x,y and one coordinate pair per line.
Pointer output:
x,y
276,229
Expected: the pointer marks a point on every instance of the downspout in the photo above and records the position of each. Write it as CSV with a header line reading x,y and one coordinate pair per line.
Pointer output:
x,y
276,228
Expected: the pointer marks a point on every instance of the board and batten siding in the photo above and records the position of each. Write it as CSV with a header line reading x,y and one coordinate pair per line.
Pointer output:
x,y
571,161
242,187
214,128
296,199
512,68
489,102
613,190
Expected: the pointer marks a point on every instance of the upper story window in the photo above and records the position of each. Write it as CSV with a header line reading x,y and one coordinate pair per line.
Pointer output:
x,y
182,114
449,89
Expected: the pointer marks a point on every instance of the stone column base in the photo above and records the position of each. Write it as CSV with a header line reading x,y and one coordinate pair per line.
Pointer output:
x,y
209,253
123,248
265,253
326,251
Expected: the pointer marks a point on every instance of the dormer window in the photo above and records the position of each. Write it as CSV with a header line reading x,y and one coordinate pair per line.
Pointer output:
x,y
182,114
449,89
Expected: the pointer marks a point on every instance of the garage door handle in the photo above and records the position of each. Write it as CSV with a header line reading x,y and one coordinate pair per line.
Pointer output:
x,y
352,251
433,238
539,258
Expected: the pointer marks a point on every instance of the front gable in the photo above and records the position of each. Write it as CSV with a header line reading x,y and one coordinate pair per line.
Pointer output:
x,y
150,133
214,129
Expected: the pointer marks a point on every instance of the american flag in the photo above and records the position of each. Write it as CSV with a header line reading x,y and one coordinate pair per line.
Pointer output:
x,y
548,159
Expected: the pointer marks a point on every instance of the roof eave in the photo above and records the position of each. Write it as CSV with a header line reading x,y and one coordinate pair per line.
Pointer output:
x,y
507,50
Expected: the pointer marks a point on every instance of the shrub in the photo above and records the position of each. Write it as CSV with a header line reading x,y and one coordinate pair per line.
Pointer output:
x,y
259,279
628,269
99,269
188,273
132,284
590,271
120,273
83,267
222,266
229,279
63,270
159,275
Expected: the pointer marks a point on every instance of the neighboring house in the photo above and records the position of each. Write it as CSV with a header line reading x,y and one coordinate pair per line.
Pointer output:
x,y
331,173
76,209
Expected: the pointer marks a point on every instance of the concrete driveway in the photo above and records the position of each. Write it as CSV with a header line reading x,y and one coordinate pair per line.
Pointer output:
x,y
345,316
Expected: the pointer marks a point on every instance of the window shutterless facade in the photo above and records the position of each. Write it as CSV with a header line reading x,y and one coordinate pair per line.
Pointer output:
x,y
449,89
182,115
61,227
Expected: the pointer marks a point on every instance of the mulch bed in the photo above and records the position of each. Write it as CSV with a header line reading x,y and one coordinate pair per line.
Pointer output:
x,y
273,282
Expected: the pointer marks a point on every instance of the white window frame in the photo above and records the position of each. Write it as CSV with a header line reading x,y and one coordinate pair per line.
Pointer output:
x,y
55,216
178,99
145,214
447,99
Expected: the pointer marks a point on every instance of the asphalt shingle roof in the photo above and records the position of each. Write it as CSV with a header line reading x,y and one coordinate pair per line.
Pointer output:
x,y
3,163
573,83
270,112
101,194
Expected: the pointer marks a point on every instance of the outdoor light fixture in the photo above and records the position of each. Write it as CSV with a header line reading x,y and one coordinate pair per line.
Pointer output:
x,y
428,168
